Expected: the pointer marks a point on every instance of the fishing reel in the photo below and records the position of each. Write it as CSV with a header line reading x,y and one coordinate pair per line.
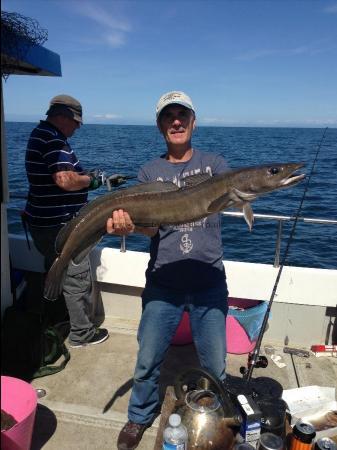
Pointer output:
x,y
116,180
260,363
111,181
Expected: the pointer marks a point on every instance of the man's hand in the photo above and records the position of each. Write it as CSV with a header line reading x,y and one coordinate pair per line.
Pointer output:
x,y
120,223
71,181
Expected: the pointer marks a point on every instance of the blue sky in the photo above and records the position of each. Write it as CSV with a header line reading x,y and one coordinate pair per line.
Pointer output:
x,y
244,63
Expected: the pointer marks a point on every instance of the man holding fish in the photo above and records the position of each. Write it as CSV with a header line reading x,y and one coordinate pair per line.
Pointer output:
x,y
185,271
177,204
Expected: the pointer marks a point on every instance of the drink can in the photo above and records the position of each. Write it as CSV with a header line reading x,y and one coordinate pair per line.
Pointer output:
x,y
305,432
244,446
269,441
325,443
302,436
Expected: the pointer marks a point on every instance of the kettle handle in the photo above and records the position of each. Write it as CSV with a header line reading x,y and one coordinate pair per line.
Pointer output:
x,y
190,375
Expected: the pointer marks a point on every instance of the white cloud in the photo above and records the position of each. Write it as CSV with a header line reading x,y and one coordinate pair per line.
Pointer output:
x,y
332,9
255,54
309,122
115,39
103,17
218,121
114,28
312,49
107,116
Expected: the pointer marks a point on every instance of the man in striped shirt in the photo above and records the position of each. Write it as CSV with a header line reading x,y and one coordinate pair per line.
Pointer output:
x,y
58,188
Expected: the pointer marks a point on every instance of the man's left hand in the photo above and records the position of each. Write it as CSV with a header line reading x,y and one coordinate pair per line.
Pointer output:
x,y
120,223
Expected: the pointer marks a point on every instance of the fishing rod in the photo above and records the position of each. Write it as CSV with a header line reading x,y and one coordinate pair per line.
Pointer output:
x,y
111,181
254,359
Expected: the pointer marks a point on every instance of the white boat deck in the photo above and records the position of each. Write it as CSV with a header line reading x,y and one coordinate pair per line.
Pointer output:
x,y
99,378
86,403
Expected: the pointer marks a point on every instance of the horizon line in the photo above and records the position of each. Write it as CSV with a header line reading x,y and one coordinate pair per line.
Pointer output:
x,y
333,126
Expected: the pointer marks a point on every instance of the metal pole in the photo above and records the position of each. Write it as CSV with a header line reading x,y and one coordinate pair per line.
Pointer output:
x,y
6,294
123,244
278,244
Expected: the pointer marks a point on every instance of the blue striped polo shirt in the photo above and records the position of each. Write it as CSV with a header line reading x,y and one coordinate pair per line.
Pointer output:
x,y
48,152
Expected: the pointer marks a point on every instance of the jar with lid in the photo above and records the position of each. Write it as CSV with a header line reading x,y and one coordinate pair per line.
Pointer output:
x,y
325,443
269,441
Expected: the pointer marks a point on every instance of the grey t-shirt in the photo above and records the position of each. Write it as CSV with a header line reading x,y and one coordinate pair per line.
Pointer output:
x,y
186,257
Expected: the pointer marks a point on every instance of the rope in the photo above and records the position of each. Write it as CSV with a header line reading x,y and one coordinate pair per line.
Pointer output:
x,y
255,354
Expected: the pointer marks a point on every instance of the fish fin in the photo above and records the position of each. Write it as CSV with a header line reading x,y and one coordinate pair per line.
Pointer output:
x,y
248,214
193,180
243,195
155,186
63,235
54,280
143,188
162,186
223,202
146,225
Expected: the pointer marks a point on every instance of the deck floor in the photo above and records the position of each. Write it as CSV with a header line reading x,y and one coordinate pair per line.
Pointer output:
x,y
86,404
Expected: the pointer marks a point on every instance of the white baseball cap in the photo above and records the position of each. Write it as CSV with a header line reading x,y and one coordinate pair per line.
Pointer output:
x,y
174,98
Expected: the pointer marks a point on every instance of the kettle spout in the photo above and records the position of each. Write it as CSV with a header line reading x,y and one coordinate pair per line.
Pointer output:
x,y
234,421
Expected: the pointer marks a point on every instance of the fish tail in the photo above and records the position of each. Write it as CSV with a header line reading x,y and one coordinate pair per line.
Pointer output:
x,y
54,281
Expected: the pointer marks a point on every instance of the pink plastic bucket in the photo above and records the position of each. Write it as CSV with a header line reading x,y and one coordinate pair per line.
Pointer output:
x,y
237,339
18,399
183,334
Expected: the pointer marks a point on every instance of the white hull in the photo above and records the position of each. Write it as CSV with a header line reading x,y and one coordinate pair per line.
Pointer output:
x,y
306,298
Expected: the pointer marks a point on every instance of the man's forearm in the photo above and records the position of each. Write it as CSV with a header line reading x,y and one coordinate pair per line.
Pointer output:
x,y
71,181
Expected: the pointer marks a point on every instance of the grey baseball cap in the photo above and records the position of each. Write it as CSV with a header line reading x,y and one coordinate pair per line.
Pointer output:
x,y
67,105
173,98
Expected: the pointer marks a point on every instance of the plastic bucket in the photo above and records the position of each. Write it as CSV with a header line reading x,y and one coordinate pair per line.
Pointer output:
x,y
18,399
237,339
183,334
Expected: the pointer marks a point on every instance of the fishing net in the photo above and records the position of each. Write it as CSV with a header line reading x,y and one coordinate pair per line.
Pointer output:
x,y
18,35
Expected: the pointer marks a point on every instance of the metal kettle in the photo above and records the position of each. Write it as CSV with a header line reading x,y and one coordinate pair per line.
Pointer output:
x,y
206,410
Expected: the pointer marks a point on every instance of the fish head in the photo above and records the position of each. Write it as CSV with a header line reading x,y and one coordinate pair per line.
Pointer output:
x,y
251,182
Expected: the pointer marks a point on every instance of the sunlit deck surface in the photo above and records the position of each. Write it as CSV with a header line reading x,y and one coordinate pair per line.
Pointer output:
x,y
99,378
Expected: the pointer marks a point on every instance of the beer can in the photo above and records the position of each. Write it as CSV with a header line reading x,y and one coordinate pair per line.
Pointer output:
x,y
244,446
269,441
302,436
325,443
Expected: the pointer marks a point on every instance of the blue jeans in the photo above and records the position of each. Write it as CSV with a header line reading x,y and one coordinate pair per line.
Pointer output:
x,y
162,312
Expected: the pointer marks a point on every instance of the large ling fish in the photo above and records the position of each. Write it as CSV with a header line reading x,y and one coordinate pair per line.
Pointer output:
x,y
153,204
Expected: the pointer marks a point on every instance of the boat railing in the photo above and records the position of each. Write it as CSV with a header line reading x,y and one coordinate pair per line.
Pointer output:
x,y
280,220
274,217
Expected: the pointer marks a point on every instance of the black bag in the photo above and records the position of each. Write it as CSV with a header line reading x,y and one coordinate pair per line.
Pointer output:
x,y
30,346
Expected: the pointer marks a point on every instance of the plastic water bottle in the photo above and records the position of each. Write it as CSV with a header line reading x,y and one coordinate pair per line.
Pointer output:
x,y
175,434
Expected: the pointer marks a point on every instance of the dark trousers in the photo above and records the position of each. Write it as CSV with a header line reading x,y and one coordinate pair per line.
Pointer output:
x,y
77,285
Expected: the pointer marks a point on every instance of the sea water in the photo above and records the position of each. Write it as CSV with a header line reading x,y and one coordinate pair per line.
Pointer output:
x,y
123,149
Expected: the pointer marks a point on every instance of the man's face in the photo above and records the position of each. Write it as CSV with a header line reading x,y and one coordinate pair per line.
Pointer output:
x,y
69,126
176,123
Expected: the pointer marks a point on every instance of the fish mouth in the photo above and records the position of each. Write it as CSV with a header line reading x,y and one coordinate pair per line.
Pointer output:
x,y
293,177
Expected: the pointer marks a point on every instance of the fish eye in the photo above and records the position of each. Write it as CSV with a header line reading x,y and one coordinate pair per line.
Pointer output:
x,y
273,170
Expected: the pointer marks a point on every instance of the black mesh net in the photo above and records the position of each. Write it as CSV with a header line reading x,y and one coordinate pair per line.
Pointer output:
x,y
18,34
